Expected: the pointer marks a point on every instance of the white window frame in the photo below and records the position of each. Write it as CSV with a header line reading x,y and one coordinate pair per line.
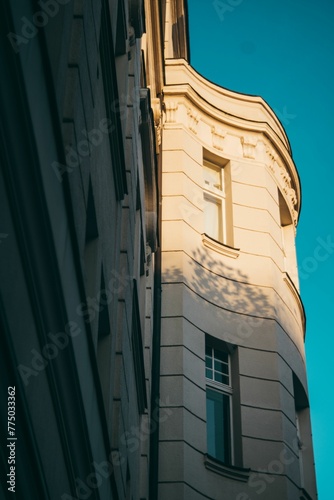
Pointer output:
x,y
218,195
222,388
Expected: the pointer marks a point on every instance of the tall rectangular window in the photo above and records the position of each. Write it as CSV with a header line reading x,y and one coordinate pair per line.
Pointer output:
x,y
213,176
218,414
217,366
213,224
288,239
302,423
218,403
217,205
138,353
214,201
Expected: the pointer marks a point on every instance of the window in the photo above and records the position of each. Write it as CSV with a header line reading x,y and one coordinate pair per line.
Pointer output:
x,y
302,426
138,355
212,176
121,29
218,425
217,365
103,349
218,403
113,109
213,224
288,239
217,199
214,201
91,255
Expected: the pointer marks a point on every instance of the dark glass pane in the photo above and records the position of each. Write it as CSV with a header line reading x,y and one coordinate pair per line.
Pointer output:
x,y
221,355
221,378
208,362
208,351
210,424
224,369
218,425
208,373
218,366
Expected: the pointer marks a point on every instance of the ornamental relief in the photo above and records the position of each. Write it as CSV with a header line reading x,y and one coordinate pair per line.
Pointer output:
x,y
171,107
218,136
284,180
193,119
248,146
157,116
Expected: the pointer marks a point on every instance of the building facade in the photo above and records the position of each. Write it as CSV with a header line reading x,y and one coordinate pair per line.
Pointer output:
x,y
232,348
152,323
233,324
79,187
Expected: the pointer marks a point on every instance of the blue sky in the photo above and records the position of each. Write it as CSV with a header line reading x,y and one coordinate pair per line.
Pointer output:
x,y
284,51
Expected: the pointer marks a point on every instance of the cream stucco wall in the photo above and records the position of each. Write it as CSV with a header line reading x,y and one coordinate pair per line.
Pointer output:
x,y
245,293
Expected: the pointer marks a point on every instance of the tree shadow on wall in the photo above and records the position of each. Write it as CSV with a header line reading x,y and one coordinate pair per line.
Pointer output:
x,y
215,284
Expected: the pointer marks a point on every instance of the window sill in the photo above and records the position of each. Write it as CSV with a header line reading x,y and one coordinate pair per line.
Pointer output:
x,y
230,471
219,247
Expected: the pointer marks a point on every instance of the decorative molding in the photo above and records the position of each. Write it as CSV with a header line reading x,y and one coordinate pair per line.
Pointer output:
x,y
219,247
171,107
247,115
149,160
284,181
248,145
156,107
193,119
295,218
271,153
157,116
285,176
218,136
230,471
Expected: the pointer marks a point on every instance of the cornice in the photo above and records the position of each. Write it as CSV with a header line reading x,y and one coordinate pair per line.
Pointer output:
x,y
238,105
250,117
